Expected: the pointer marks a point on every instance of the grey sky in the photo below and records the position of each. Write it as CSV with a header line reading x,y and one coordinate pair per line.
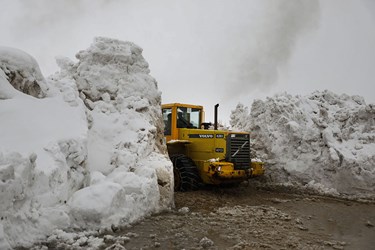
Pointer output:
x,y
206,52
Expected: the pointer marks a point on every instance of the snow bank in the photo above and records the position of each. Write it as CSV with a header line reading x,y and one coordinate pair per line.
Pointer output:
x,y
322,141
42,147
90,155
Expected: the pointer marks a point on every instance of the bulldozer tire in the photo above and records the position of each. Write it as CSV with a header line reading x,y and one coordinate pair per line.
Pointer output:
x,y
186,176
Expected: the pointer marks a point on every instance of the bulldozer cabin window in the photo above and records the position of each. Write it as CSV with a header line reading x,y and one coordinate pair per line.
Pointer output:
x,y
167,117
188,117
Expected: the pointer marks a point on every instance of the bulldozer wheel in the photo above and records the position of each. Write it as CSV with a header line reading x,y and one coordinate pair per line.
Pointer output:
x,y
186,176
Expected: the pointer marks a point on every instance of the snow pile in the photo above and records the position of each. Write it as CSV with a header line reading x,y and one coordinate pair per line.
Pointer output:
x,y
22,72
130,173
89,153
322,141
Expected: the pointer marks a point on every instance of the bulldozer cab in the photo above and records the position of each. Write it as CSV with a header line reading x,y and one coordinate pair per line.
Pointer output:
x,y
177,115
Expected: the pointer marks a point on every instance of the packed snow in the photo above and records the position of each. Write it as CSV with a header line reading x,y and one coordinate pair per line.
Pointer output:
x,y
82,149
322,141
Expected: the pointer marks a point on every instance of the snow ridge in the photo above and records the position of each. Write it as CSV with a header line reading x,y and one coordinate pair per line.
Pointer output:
x,y
322,141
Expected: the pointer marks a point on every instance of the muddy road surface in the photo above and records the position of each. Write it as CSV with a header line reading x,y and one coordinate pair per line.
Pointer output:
x,y
244,217
247,217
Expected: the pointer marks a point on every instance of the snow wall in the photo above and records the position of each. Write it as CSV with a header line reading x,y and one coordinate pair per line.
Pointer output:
x,y
82,149
322,141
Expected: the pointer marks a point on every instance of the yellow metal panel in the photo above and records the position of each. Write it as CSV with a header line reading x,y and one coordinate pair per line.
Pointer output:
x,y
220,172
257,168
205,144
170,105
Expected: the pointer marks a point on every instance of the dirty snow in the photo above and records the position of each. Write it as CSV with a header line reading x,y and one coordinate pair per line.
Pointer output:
x,y
322,141
81,149
22,72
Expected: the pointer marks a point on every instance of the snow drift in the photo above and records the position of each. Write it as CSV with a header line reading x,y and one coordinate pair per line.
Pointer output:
x,y
322,141
88,153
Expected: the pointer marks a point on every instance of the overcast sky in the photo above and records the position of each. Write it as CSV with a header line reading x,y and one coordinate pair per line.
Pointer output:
x,y
208,52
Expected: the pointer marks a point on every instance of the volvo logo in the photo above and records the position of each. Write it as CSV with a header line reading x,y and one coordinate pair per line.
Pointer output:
x,y
203,136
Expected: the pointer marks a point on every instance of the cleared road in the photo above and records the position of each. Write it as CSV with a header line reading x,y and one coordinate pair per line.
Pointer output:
x,y
247,217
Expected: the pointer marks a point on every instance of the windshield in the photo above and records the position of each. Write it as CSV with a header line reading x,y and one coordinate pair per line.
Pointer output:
x,y
167,114
188,117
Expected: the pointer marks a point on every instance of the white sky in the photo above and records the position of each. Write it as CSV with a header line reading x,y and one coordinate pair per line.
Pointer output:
x,y
208,52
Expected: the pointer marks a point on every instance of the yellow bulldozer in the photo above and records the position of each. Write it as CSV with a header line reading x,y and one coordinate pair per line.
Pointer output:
x,y
201,153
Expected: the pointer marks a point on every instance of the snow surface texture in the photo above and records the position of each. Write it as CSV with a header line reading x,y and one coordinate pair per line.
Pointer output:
x,y
322,141
89,154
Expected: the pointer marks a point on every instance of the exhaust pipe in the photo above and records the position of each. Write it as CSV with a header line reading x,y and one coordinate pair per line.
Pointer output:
x,y
216,107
